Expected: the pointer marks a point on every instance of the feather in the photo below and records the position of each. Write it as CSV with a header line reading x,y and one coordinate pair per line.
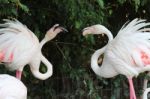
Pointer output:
x,y
13,35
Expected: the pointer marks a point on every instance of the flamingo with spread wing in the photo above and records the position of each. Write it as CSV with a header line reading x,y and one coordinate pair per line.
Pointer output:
x,y
19,46
127,54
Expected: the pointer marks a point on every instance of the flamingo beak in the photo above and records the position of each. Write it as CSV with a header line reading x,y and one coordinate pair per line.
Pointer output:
x,y
86,31
63,29
60,27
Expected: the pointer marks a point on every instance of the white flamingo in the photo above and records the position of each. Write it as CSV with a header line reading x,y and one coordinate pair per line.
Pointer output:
x,y
19,46
128,53
12,88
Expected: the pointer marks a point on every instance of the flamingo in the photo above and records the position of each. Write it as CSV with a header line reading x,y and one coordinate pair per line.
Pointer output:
x,y
12,88
19,46
127,54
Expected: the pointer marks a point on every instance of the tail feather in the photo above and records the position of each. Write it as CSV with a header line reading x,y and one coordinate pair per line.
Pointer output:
x,y
133,23
139,26
14,26
13,35
133,27
145,30
134,36
8,30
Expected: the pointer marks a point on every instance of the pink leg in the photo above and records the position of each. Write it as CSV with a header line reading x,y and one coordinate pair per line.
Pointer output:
x,y
18,74
132,91
131,96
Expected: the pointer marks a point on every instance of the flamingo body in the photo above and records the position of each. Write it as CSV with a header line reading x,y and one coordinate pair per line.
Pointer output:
x,y
127,54
12,88
19,46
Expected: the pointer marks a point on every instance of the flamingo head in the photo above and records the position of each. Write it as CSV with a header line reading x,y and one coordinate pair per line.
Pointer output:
x,y
94,29
52,32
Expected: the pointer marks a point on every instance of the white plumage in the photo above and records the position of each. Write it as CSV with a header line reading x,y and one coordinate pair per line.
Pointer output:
x,y
15,38
12,88
125,50
19,47
145,95
123,54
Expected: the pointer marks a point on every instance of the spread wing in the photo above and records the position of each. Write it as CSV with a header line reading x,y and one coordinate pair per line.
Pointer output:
x,y
132,40
16,41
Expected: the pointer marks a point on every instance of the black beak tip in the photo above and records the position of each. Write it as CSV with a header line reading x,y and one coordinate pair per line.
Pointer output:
x,y
82,30
61,27
65,30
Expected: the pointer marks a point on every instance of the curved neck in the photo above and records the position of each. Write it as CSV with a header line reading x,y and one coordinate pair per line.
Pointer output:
x,y
94,64
108,33
146,93
94,59
43,42
38,74
35,65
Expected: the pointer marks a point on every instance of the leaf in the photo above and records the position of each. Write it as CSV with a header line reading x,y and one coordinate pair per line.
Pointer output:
x,y
137,4
14,11
77,24
24,7
101,3
144,2
90,38
121,1
14,1
110,11
4,1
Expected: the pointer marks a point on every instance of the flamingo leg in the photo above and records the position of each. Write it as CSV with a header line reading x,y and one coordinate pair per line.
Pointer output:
x,y
132,91
131,96
18,74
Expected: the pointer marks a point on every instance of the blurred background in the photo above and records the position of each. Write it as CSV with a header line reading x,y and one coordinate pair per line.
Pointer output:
x,y
70,52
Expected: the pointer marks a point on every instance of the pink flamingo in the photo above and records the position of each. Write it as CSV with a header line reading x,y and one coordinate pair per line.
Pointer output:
x,y
19,46
12,88
127,54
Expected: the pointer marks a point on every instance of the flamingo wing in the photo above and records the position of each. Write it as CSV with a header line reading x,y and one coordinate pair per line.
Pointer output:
x,y
132,43
17,43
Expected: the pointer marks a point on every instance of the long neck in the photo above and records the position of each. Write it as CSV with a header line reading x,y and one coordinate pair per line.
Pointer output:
x,y
36,66
108,33
94,59
43,42
36,71
94,64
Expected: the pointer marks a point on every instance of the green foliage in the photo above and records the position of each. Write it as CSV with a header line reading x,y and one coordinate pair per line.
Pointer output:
x,y
10,8
101,3
23,7
70,53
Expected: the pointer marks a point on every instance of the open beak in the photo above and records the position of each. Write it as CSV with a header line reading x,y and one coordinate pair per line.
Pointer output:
x,y
63,29
60,27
